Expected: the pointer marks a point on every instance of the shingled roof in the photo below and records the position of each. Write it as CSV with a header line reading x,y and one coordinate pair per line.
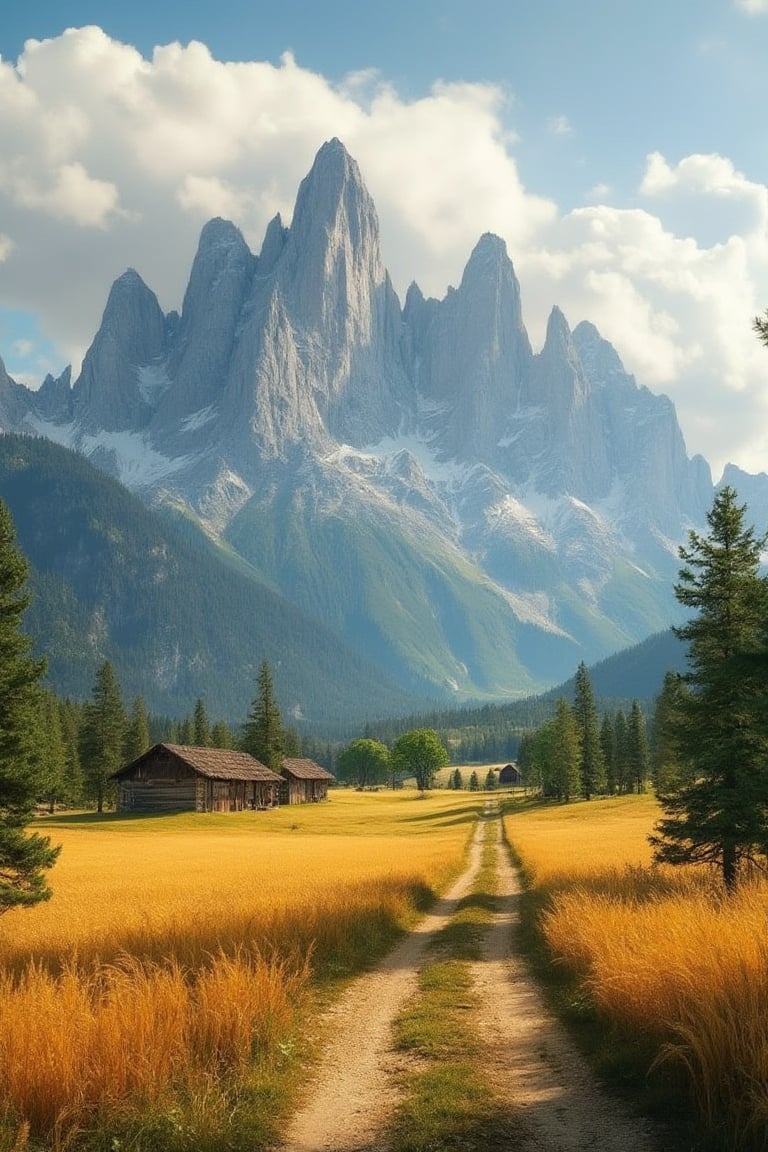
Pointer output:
x,y
306,770
214,763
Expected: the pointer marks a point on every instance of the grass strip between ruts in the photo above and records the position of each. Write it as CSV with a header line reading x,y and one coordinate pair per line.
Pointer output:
x,y
448,1100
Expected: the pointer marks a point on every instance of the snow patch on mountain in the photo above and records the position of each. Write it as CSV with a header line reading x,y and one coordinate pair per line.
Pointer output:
x,y
198,419
137,463
513,517
153,380
533,608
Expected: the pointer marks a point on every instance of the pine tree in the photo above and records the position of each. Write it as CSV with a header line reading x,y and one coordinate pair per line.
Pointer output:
x,y
609,745
202,727
457,780
24,857
491,783
720,816
102,737
53,752
263,735
623,761
566,752
137,733
591,762
474,783
71,719
670,767
638,748
221,737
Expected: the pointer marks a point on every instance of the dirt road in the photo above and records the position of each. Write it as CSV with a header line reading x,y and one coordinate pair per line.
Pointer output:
x,y
529,1059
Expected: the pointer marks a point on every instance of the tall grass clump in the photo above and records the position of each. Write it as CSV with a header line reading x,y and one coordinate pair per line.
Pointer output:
x,y
161,999
662,955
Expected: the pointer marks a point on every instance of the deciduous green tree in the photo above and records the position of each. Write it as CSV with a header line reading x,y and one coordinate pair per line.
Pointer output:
x,y
263,735
720,816
419,753
24,857
364,762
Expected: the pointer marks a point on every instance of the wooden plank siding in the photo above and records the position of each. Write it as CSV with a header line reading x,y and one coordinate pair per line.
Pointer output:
x,y
178,778
305,782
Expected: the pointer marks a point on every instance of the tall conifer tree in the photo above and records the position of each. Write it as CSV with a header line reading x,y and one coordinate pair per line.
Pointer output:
x,y
102,737
24,858
566,750
720,815
638,748
263,736
202,733
137,738
591,764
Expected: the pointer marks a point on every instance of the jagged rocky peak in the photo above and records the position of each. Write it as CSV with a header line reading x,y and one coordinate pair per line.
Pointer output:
x,y
333,195
559,378
475,353
334,265
274,242
221,272
112,392
490,274
14,401
53,399
202,345
598,357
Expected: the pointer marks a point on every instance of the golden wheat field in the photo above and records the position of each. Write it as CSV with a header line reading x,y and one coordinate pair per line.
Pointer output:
x,y
177,950
662,952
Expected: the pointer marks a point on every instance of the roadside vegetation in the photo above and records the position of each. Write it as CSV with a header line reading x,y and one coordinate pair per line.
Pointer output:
x,y
661,973
162,998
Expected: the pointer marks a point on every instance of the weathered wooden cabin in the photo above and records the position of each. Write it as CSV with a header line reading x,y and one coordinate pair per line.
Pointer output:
x,y
175,777
304,782
509,775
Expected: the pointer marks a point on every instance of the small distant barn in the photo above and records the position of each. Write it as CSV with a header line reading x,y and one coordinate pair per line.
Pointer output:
x,y
304,782
510,775
179,778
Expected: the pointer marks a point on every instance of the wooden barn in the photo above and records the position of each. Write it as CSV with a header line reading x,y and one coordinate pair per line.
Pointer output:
x,y
174,777
510,775
304,782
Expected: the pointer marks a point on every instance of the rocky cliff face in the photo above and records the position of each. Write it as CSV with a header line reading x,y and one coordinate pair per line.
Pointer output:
x,y
527,507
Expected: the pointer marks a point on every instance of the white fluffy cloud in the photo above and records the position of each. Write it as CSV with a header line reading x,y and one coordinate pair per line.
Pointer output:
x,y
753,7
108,160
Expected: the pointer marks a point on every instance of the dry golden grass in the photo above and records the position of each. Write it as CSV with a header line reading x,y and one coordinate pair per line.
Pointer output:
x,y
661,952
175,950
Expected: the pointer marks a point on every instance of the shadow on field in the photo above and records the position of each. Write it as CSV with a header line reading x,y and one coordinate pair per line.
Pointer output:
x,y
455,816
74,818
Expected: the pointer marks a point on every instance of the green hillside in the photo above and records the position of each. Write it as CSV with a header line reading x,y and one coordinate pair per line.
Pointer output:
x,y
178,616
420,609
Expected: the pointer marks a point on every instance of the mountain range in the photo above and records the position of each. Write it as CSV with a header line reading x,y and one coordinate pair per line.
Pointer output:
x,y
468,516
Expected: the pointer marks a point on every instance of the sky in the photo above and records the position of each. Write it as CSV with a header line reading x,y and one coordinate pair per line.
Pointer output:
x,y
618,146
